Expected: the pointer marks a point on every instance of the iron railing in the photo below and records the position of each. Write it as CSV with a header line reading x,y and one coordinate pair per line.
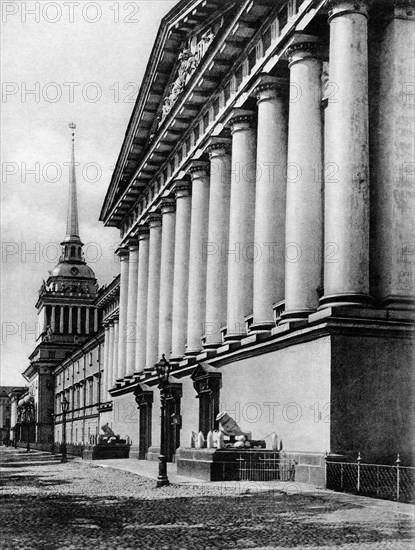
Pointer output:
x,y
268,467
389,482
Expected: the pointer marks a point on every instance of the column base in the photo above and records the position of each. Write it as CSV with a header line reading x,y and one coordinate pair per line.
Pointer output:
x,y
176,358
192,352
264,326
296,315
235,337
212,345
347,299
397,302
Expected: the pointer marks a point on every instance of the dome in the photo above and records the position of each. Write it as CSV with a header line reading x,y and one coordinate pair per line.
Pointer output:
x,y
72,270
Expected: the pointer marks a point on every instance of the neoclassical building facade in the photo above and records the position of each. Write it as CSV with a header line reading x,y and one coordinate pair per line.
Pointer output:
x,y
264,196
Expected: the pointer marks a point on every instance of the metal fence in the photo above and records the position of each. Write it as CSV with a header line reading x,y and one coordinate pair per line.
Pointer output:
x,y
376,480
268,467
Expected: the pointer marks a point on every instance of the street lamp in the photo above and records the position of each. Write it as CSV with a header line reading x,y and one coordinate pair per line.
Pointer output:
x,y
163,369
65,409
28,416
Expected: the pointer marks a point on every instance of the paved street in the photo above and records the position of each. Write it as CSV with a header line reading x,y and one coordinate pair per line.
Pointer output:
x,y
79,505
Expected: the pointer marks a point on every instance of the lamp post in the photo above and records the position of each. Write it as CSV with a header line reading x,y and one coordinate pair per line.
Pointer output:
x,y
28,411
163,369
65,408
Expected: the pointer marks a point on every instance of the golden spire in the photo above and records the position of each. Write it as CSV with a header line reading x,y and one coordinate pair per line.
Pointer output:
x,y
72,225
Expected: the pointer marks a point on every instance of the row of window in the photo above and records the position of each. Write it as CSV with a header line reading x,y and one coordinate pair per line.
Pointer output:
x,y
84,394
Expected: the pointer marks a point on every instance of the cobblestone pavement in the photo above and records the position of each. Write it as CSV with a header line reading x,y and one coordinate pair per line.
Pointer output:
x,y
48,505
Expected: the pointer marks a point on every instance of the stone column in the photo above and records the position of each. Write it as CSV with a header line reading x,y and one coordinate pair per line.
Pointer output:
x,y
392,156
78,320
87,320
199,171
153,296
95,320
122,329
53,319
131,332
181,268
270,200
62,320
115,356
70,320
142,291
241,229
304,225
105,377
218,238
110,359
346,191
168,211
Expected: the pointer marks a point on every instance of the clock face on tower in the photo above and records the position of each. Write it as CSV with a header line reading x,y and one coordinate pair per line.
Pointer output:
x,y
74,270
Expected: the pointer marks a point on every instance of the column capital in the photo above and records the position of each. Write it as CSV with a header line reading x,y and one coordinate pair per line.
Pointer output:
x,y
400,9
132,244
198,167
344,7
182,188
304,46
122,253
168,205
268,87
218,147
240,119
143,232
154,219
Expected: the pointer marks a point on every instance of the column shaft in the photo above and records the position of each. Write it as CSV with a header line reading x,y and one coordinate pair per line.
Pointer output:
x,y
122,336
346,246
153,297
115,356
79,320
70,320
105,375
166,276
95,320
131,328
197,265
61,320
392,158
218,240
110,356
87,321
142,294
241,229
270,200
304,225
181,268
53,320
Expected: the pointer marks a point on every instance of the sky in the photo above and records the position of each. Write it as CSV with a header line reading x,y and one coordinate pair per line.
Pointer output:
x,y
61,61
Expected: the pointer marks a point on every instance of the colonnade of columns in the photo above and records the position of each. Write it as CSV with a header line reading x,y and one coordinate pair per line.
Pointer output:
x,y
280,212
71,319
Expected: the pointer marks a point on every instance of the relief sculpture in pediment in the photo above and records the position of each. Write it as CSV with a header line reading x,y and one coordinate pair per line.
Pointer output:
x,y
189,59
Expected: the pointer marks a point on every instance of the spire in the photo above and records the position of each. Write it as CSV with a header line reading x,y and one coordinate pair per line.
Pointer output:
x,y
72,226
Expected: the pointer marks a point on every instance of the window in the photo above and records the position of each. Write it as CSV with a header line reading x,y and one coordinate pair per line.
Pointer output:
x,y
91,392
